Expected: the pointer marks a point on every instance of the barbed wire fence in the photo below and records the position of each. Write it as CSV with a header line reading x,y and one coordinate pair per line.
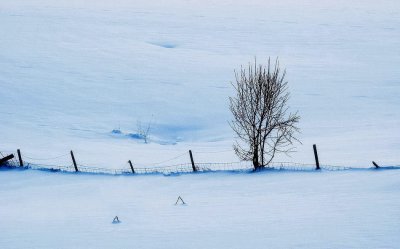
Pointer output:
x,y
165,167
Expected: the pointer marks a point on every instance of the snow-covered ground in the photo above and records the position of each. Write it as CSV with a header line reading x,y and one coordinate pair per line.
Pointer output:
x,y
344,209
73,71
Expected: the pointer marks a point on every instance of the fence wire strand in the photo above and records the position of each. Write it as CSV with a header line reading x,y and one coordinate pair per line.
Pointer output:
x,y
47,159
173,168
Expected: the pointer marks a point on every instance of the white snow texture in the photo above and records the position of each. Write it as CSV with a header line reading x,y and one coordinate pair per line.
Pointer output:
x,y
80,74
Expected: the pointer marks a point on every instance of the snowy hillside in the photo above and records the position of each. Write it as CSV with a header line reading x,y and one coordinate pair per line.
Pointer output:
x,y
80,74
73,71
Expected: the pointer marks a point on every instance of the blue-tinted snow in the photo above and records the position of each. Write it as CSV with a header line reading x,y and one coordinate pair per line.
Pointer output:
x,y
344,209
70,72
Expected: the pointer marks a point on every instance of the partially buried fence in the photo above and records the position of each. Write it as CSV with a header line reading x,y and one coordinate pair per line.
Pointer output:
x,y
15,161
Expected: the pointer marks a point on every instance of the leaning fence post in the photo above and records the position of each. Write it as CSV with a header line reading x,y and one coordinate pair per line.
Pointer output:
x,y
192,161
73,160
316,157
376,165
6,158
133,170
21,163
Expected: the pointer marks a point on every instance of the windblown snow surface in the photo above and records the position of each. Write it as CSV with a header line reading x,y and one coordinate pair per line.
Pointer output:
x,y
79,75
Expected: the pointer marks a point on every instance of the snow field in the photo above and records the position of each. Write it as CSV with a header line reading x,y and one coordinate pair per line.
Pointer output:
x,y
73,71
345,209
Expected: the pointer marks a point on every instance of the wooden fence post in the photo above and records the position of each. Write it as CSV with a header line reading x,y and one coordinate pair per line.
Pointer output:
x,y
73,160
21,163
192,161
133,170
375,164
6,158
316,157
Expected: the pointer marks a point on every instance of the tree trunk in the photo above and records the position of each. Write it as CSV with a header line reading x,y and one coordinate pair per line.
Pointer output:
x,y
256,163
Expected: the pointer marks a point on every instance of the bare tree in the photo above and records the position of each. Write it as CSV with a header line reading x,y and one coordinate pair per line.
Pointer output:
x,y
260,114
143,130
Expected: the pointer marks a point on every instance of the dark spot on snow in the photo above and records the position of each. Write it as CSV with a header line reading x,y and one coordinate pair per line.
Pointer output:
x,y
167,45
116,131
135,136
164,44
